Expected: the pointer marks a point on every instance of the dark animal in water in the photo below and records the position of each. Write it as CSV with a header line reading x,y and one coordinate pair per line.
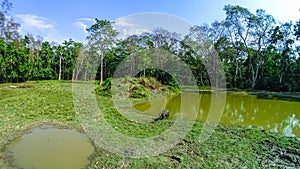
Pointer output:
x,y
162,115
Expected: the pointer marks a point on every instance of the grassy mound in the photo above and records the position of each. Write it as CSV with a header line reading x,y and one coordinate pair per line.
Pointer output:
x,y
141,87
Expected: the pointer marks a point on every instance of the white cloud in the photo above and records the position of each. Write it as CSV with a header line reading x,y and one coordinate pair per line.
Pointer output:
x,y
123,22
40,26
83,23
34,21
126,27
125,32
87,20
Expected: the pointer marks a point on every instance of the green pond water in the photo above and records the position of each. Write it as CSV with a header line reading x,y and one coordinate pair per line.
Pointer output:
x,y
49,148
275,115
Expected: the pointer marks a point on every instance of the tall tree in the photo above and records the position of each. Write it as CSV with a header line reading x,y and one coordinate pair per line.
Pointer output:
x,y
102,36
252,32
68,56
34,44
230,53
196,51
283,41
3,51
48,60
8,27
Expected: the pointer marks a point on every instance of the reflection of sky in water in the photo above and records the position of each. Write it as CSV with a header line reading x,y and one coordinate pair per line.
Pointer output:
x,y
288,125
241,118
292,123
242,107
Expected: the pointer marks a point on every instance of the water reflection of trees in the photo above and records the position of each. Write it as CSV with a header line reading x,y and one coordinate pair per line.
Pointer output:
x,y
275,115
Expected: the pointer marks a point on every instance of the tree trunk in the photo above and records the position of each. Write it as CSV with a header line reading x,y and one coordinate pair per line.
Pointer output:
x,y
280,78
101,70
59,74
73,75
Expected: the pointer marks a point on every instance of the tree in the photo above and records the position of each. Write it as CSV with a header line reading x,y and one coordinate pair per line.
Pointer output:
x,y
229,50
162,38
34,45
8,27
297,35
48,60
102,37
3,50
195,51
283,41
68,55
250,31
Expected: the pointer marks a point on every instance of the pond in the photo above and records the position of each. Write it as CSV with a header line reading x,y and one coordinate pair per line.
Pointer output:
x,y
275,115
48,147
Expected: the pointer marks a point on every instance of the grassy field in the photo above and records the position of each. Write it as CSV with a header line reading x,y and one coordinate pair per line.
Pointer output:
x,y
27,105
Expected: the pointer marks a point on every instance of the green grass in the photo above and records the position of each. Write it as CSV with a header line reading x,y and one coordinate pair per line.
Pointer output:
x,y
24,106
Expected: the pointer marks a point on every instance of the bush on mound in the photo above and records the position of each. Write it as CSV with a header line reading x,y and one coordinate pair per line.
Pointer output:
x,y
141,87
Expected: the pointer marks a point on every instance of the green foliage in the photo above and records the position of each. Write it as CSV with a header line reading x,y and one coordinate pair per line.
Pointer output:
x,y
139,91
255,52
142,87
102,36
152,85
154,75
105,88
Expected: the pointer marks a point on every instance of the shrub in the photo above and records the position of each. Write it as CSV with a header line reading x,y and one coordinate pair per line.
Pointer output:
x,y
105,88
139,91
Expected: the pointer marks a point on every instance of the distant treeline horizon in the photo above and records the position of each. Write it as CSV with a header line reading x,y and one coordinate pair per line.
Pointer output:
x,y
255,52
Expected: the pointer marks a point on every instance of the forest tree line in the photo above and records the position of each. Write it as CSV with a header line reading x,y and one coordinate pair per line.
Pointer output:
x,y
255,50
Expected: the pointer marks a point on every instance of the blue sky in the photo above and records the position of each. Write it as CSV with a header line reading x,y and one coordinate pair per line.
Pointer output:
x,y
59,20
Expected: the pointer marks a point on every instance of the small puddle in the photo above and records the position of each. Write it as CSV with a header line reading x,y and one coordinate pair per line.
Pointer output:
x,y
48,147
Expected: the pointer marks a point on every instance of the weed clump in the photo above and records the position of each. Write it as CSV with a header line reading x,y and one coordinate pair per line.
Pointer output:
x,y
105,88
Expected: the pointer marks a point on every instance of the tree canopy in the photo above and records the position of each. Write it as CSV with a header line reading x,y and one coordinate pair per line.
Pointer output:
x,y
255,51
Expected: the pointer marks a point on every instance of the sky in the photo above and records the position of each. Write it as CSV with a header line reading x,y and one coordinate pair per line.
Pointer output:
x,y
59,20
